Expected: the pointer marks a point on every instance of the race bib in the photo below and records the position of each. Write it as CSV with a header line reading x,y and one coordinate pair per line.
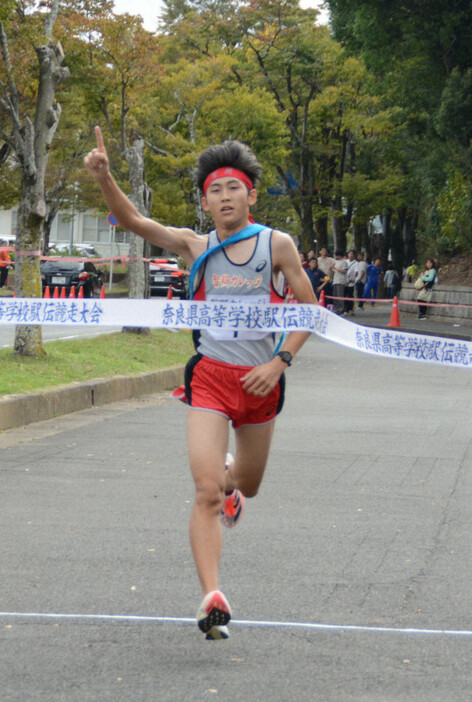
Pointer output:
x,y
241,334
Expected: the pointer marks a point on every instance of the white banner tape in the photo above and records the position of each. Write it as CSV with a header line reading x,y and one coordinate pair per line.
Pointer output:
x,y
237,317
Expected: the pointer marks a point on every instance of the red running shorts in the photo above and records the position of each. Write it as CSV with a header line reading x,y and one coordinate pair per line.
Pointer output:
x,y
216,386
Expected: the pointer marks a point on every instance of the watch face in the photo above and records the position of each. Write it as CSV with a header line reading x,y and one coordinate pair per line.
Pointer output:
x,y
286,356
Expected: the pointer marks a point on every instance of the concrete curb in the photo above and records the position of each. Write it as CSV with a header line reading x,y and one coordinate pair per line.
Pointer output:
x,y
18,410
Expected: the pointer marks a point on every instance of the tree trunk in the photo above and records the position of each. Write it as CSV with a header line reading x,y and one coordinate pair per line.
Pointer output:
x,y
361,238
202,223
138,269
397,244
322,221
322,231
307,225
28,339
307,192
386,240
411,223
302,197
337,224
33,143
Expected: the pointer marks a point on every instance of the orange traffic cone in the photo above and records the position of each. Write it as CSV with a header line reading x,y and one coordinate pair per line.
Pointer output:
x,y
63,293
47,292
169,293
102,293
80,294
322,300
72,292
394,317
56,293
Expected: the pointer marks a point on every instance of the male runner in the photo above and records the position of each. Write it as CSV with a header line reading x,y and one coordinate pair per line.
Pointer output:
x,y
231,378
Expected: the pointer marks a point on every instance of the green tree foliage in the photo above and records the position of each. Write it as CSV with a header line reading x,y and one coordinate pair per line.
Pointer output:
x,y
117,66
378,122
321,96
421,55
199,104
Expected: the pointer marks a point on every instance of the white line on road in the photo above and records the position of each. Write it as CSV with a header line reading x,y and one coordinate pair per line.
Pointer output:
x,y
241,622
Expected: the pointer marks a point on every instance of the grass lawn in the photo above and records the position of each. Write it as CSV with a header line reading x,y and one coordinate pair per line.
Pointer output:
x,y
100,357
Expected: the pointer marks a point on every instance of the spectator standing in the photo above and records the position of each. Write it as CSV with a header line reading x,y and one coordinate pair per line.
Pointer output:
x,y
424,285
318,279
311,254
351,276
339,281
361,279
303,260
326,263
391,281
374,271
412,271
5,262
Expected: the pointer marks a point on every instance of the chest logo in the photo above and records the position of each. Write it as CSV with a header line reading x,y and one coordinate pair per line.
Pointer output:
x,y
236,281
260,266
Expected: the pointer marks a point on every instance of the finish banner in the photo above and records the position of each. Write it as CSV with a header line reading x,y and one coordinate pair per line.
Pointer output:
x,y
236,319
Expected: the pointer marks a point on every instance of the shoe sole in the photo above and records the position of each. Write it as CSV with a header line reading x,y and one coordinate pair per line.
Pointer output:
x,y
214,614
217,633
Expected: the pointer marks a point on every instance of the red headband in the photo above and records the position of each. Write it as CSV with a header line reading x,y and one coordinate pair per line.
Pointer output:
x,y
225,173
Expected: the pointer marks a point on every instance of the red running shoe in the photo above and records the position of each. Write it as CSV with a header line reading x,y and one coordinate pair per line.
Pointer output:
x,y
233,505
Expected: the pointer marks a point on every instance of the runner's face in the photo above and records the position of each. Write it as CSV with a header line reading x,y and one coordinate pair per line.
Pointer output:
x,y
228,200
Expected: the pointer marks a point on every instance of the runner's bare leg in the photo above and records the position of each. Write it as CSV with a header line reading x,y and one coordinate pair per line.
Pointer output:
x,y
207,438
252,451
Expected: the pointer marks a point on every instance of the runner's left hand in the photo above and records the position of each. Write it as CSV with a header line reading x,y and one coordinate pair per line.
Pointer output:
x,y
261,380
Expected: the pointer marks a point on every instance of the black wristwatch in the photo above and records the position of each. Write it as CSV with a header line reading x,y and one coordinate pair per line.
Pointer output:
x,y
286,357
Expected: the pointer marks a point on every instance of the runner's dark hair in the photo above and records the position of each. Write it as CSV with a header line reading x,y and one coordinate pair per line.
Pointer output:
x,y
232,154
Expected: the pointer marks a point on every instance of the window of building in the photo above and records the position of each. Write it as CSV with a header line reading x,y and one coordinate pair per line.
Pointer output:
x,y
14,222
63,228
121,237
96,229
103,230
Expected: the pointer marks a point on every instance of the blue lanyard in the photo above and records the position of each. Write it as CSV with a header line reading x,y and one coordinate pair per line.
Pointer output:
x,y
246,233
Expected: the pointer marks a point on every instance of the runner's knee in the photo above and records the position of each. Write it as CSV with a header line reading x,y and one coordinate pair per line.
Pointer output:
x,y
209,493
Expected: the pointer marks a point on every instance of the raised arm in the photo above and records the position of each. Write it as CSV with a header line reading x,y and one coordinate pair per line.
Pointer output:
x,y
183,242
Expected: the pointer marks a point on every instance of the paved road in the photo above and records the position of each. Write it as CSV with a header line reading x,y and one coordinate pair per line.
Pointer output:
x,y
363,520
52,333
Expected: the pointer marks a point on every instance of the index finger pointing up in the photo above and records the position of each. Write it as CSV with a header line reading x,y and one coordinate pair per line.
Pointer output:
x,y
98,135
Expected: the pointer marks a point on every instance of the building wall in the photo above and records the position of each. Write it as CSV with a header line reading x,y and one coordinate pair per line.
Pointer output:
x,y
5,223
80,228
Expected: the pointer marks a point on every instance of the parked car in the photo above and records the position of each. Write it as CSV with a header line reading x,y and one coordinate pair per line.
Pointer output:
x,y
65,274
85,250
165,272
